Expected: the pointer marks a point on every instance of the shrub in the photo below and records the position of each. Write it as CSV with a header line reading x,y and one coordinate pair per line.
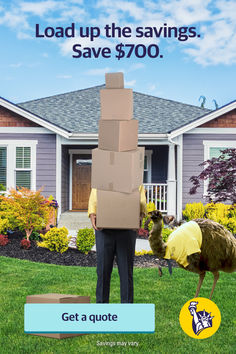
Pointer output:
x,y
166,233
56,239
25,244
194,211
143,252
3,240
223,214
4,225
85,240
34,236
151,207
25,209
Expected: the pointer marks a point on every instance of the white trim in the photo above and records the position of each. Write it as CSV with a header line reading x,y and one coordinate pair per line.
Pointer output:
x,y
217,144
206,118
58,173
171,181
24,130
70,183
11,160
21,111
213,131
148,153
71,153
179,177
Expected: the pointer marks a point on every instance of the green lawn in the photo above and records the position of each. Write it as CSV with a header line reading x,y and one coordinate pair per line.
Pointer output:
x,y
21,278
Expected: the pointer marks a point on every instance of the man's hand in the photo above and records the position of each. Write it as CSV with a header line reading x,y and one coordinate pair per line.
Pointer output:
x,y
93,221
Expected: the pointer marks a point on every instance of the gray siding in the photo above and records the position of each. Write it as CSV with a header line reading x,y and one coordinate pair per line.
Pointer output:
x,y
193,155
45,159
65,167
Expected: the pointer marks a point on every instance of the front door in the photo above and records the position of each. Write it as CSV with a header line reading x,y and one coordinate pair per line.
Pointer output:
x,y
81,182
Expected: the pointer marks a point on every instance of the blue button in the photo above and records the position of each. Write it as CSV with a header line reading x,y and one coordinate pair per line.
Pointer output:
x,y
89,318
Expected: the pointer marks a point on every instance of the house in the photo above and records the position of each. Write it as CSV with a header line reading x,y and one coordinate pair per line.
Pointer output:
x,y
47,142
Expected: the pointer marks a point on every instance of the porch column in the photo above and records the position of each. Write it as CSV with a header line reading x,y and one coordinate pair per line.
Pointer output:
x,y
171,182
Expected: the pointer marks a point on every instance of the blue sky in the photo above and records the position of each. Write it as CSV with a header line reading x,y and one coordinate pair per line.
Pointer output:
x,y
33,68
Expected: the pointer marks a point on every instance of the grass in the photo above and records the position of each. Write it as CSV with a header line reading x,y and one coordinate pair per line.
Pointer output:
x,y
20,278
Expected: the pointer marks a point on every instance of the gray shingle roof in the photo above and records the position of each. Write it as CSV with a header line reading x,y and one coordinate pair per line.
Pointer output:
x,y
79,111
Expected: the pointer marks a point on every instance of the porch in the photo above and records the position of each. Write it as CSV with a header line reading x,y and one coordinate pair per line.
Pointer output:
x,y
159,177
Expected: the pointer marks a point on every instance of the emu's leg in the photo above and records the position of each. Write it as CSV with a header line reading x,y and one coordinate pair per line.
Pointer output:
x,y
216,277
201,278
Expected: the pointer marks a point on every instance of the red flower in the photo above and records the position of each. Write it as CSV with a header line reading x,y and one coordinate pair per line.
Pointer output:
x,y
25,244
4,240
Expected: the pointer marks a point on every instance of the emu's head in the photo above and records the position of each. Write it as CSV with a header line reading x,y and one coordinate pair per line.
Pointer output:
x,y
156,216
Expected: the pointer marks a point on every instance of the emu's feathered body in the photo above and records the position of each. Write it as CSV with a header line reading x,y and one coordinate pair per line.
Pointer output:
x,y
218,249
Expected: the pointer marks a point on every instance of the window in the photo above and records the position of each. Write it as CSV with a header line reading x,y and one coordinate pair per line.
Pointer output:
x,y
23,167
147,173
18,164
212,149
3,168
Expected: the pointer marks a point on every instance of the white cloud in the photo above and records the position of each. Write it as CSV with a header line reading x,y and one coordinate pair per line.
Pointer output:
x,y
130,83
218,45
152,87
136,66
14,20
16,65
100,71
23,35
39,8
45,55
64,77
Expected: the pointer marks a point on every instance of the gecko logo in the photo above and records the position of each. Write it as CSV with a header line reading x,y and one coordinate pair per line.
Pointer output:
x,y
200,318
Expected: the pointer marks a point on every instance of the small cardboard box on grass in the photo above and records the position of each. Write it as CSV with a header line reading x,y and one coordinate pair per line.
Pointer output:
x,y
117,171
116,104
117,210
54,298
118,135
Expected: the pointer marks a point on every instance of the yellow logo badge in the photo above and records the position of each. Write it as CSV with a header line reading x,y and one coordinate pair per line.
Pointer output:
x,y
200,318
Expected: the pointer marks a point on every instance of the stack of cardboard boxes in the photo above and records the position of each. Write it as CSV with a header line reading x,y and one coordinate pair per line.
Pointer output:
x,y
117,163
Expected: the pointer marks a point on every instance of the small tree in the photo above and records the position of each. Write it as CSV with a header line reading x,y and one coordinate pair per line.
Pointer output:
x,y
29,209
221,173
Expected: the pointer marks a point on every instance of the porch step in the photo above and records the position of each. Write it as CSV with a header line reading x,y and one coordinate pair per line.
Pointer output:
x,y
74,220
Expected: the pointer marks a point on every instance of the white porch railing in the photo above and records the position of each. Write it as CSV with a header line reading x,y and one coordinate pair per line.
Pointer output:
x,y
157,194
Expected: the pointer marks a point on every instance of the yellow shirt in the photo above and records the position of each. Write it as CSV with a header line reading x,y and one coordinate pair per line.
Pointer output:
x,y
92,205
182,242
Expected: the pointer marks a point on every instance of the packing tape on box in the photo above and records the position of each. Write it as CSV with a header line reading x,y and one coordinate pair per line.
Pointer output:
x,y
112,157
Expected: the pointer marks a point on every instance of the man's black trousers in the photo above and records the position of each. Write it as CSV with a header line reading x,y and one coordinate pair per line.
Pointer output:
x,y
111,243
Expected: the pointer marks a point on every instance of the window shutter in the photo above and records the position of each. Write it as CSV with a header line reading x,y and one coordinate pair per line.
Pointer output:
x,y
23,179
23,167
3,168
23,157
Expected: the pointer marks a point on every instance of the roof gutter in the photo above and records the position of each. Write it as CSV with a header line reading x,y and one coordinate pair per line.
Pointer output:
x,y
88,136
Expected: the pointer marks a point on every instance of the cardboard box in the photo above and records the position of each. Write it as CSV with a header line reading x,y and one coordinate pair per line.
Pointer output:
x,y
116,104
114,80
118,135
117,171
54,298
118,210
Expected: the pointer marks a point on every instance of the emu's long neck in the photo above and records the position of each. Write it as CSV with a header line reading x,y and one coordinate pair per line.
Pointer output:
x,y
155,239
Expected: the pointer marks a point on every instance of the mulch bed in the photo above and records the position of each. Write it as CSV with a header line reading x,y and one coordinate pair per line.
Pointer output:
x,y
71,257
